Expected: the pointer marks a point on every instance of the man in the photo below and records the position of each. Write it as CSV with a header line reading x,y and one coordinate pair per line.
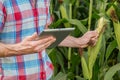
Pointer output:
x,y
22,55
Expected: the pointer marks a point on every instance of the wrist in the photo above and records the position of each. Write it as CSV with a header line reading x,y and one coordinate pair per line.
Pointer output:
x,y
12,49
77,42
3,50
82,42
70,41
8,49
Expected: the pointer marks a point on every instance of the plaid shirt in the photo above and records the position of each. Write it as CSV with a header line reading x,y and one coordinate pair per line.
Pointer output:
x,y
18,19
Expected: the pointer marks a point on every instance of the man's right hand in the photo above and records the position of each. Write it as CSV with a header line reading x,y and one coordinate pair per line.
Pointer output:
x,y
29,45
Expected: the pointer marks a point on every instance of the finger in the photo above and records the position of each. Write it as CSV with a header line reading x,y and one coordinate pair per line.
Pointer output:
x,y
41,47
83,46
42,41
44,46
97,34
92,34
95,41
92,41
46,36
32,37
46,39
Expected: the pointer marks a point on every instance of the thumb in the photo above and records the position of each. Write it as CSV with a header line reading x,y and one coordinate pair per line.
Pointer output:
x,y
32,37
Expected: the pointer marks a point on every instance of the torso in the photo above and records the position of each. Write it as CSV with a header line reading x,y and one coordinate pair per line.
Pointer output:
x,y
25,21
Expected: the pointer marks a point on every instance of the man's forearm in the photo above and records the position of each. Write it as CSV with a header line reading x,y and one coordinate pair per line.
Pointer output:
x,y
70,42
88,38
2,50
7,50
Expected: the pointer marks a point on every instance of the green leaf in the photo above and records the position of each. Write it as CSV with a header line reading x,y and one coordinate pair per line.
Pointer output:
x,y
102,52
80,26
60,59
110,48
79,78
75,61
60,76
110,73
76,22
58,22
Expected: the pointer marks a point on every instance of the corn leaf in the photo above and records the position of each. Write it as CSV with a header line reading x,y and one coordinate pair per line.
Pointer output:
x,y
110,73
93,52
84,68
79,78
60,76
117,32
110,48
60,61
80,26
58,23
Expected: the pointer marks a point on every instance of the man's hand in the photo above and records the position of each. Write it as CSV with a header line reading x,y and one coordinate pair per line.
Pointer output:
x,y
89,38
30,44
34,44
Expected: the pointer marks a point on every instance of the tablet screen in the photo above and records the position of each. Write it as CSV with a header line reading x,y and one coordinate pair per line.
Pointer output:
x,y
60,34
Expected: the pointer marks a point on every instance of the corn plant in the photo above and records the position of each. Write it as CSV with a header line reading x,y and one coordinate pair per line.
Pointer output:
x,y
99,62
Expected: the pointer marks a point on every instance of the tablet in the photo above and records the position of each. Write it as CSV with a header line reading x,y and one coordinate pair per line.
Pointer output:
x,y
60,34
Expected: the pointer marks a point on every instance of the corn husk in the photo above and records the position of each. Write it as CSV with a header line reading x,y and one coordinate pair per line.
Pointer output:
x,y
117,32
116,24
93,51
84,68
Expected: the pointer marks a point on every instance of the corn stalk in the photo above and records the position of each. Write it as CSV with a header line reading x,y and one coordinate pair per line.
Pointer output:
x,y
93,51
90,14
66,16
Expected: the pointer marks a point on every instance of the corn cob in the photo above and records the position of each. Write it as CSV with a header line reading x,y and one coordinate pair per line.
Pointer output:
x,y
116,24
101,25
111,8
93,51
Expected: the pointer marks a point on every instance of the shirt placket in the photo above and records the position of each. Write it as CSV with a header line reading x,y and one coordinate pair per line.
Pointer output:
x,y
35,13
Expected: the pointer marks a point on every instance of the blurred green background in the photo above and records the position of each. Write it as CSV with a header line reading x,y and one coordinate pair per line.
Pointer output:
x,y
84,16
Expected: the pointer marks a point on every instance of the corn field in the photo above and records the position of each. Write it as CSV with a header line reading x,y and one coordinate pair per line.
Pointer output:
x,y
99,62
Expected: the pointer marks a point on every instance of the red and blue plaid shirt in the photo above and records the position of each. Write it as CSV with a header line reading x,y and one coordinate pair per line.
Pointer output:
x,y
18,19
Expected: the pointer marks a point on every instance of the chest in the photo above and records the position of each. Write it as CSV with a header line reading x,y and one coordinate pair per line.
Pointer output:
x,y
25,10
